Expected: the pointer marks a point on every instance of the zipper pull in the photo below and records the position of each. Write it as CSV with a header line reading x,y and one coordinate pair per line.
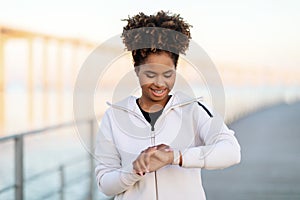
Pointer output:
x,y
152,136
152,128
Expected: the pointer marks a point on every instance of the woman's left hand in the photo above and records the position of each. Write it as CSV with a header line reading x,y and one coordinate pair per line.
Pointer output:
x,y
153,158
161,157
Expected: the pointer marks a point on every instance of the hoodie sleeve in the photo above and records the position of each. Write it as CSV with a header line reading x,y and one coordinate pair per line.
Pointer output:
x,y
220,147
111,177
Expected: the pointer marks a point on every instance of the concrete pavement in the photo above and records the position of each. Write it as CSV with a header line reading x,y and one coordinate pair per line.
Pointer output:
x,y
270,166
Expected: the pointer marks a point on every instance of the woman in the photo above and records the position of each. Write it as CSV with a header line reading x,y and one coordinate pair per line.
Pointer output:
x,y
154,146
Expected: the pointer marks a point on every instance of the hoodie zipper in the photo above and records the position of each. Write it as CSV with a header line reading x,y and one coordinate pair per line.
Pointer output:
x,y
155,175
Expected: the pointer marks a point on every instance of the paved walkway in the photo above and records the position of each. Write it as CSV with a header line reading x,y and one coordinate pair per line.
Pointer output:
x,y
270,166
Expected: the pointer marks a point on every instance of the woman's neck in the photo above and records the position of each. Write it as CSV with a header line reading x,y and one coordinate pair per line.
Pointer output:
x,y
151,106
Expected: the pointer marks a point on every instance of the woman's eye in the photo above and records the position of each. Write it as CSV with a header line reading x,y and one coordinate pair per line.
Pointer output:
x,y
150,76
168,75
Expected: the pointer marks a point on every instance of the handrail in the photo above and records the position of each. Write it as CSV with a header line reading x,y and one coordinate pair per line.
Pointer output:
x,y
72,182
18,140
48,128
55,169
6,188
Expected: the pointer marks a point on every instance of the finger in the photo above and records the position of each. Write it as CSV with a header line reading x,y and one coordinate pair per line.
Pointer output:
x,y
147,161
143,161
150,149
168,149
137,164
137,169
162,146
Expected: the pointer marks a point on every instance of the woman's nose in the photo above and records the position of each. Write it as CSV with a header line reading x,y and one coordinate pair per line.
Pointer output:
x,y
159,81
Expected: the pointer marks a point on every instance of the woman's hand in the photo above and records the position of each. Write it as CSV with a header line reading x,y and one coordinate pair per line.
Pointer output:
x,y
161,157
152,159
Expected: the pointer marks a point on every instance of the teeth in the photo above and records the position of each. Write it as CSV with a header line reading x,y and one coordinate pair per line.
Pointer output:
x,y
158,91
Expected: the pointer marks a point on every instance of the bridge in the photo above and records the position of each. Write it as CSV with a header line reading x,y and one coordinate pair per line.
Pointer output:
x,y
248,89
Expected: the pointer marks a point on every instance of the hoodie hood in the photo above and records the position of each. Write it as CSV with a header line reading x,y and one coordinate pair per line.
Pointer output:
x,y
178,99
126,112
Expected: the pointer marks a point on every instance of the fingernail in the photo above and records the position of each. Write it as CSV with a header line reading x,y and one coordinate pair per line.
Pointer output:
x,y
168,150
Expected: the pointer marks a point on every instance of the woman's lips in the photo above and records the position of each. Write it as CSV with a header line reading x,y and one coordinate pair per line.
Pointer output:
x,y
159,93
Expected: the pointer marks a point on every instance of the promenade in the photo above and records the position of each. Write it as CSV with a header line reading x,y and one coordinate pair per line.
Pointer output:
x,y
270,165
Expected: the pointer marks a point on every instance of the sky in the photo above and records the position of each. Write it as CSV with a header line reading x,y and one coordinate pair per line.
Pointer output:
x,y
249,32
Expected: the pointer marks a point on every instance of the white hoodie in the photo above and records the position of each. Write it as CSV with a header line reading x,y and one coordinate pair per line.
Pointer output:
x,y
186,125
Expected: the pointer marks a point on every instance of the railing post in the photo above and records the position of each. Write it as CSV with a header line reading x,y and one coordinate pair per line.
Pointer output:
x,y
2,78
19,164
92,174
62,182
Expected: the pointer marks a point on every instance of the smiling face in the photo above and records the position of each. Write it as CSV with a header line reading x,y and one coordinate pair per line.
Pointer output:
x,y
157,78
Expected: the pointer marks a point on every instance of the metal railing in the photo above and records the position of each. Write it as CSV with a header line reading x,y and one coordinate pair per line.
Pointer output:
x,y
19,183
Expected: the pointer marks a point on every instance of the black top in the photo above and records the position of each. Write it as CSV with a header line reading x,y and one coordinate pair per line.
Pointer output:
x,y
150,117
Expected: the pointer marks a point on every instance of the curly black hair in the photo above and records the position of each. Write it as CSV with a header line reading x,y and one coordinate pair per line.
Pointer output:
x,y
162,32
